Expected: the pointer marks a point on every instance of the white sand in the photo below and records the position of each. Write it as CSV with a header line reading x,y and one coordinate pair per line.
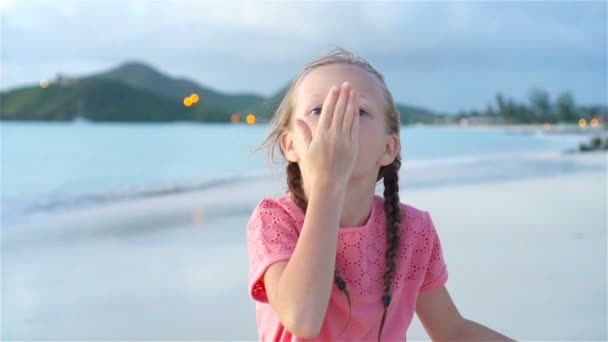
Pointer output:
x,y
526,257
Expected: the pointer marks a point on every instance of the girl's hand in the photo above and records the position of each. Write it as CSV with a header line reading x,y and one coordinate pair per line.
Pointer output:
x,y
330,155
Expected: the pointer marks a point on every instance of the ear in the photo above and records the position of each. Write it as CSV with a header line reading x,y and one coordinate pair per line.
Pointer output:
x,y
393,145
286,142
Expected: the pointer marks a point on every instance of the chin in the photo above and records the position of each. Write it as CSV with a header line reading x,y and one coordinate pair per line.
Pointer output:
x,y
364,175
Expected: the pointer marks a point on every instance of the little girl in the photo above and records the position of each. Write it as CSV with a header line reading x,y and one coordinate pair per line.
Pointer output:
x,y
330,260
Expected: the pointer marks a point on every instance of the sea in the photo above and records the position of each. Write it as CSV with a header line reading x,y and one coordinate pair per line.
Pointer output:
x,y
48,168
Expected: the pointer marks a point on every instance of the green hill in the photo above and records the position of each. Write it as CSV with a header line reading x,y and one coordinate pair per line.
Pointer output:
x,y
411,115
142,76
95,100
136,92
264,110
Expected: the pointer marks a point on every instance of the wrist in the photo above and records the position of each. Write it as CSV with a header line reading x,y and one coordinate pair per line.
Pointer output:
x,y
328,186
332,190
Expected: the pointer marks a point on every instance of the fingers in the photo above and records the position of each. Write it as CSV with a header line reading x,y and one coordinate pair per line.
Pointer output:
x,y
305,130
341,104
328,108
354,131
349,114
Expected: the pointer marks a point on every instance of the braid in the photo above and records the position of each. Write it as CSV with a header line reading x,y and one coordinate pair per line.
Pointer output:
x,y
281,123
392,207
390,173
294,183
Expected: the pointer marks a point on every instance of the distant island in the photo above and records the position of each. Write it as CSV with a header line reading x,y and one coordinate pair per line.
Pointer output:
x,y
137,92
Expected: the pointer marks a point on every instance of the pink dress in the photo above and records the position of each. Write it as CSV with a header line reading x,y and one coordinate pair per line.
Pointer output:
x,y
272,234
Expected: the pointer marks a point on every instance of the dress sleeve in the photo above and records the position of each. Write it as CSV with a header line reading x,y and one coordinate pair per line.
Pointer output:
x,y
271,237
436,274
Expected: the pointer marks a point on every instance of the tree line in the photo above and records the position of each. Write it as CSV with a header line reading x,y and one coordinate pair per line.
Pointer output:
x,y
540,108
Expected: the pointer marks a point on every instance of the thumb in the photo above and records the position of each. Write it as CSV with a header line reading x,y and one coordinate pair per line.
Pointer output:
x,y
304,128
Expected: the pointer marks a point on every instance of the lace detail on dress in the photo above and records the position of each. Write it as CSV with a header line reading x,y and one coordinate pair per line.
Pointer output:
x,y
272,235
436,266
361,254
273,231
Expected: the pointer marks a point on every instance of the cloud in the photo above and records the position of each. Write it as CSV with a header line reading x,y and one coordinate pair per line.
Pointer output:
x,y
428,51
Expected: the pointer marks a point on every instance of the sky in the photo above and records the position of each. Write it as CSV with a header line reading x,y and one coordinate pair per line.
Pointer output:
x,y
445,56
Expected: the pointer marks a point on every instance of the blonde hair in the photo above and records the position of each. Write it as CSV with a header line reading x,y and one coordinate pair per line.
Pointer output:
x,y
389,173
282,116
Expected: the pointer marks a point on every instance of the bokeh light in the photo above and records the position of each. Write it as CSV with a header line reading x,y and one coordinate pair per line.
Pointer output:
x,y
594,122
582,123
235,117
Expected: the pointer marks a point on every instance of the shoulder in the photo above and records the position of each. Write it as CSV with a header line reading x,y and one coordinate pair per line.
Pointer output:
x,y
413,215
276,210
416,221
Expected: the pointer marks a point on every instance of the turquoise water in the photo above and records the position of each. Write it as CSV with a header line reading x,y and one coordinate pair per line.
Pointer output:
x,y
46,163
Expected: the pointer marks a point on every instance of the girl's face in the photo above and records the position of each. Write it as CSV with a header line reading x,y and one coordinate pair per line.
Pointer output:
x,y
376,146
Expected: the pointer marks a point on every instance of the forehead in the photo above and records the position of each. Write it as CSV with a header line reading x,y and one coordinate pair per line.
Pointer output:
x,y
316,84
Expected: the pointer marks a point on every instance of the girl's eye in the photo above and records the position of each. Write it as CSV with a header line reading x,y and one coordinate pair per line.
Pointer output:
x,y
316,111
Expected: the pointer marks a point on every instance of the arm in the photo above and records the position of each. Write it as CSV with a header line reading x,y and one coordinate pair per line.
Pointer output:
x,y
442,321
299,289
473,331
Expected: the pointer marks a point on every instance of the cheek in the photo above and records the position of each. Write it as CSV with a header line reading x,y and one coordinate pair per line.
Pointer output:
x,y
312,122
371,142
300,142
370,135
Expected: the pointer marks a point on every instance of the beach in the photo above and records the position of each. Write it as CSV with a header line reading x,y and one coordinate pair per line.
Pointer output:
x,y
138,138
526,256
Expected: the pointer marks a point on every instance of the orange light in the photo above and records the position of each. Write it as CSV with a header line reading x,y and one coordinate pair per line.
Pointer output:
x,y
582,123
44,84
198,216
194,97
251,119
235,117
187,101
594,122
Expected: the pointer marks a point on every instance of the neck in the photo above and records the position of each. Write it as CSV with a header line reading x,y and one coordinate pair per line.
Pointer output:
x,y
358,202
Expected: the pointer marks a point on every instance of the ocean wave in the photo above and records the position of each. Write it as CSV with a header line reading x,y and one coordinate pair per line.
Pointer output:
x,y
20,212
476,159
143,192
157,190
